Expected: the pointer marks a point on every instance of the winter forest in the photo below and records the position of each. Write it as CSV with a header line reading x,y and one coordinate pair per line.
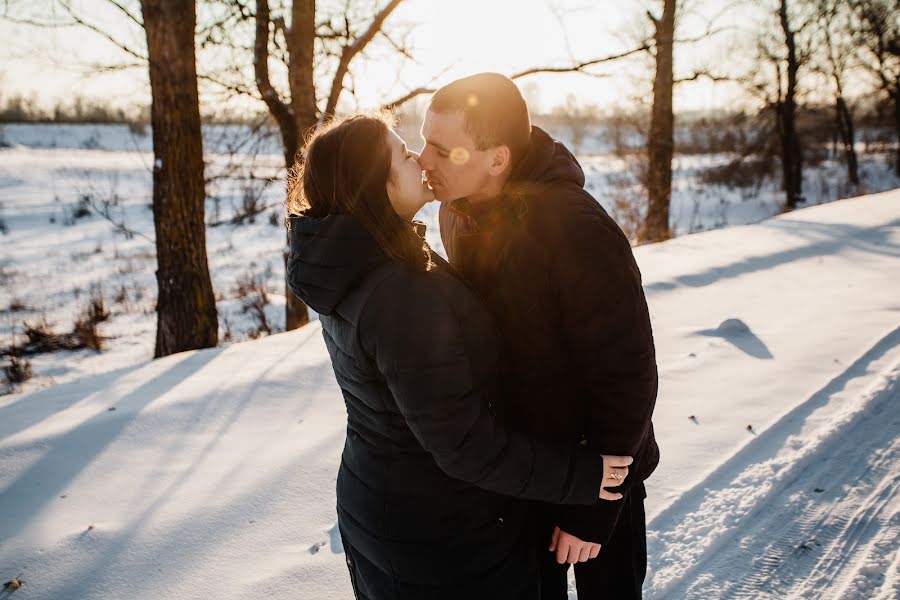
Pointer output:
x,y
170,424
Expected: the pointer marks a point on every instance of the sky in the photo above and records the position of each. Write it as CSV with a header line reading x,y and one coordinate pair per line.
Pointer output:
x,y
449,40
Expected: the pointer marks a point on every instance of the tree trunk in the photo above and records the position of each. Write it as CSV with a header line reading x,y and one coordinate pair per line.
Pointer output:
x,y
300,115
896,98
848,137
186,306
661,144
294,119
845,129
301,47
791,153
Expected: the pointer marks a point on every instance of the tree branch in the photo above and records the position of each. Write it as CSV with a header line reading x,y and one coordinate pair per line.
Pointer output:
x,y
581,66
75,22
100,32
34,23
708,33
102,68
234,88
349,52
280,25
374,27
279,109
705,74
127,13
397,47
407,97
426,89
577,68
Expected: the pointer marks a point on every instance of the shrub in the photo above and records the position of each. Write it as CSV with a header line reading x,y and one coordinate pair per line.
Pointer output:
x,y
86,335
121,295
251,205
18,370
40,337
740,173
17,305
96,310
254,298
83,208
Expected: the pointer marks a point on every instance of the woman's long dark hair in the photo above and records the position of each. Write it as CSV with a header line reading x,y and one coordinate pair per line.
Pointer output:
x,y
344,171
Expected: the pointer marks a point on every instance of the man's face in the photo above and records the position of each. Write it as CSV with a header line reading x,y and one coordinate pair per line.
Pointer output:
x,y
453,166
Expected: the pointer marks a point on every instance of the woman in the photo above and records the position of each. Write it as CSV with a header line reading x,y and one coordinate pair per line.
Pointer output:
x,y
427,474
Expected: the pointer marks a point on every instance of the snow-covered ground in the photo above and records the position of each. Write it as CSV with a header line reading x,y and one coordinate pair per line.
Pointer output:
x,y
210,474
52,262
51,259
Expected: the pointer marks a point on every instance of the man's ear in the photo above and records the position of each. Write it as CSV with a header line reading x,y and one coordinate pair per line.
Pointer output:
x,y
500,160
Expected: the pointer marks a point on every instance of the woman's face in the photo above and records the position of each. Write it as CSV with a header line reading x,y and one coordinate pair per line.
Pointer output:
x,y
406,186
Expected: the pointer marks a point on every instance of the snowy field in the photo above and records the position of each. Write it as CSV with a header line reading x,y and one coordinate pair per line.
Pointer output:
x,y
53,260
210,474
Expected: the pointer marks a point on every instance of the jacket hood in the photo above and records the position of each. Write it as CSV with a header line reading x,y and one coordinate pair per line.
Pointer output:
x,y
546,161
328,258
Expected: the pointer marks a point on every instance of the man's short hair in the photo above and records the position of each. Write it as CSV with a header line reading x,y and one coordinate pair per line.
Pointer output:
x,y
493,109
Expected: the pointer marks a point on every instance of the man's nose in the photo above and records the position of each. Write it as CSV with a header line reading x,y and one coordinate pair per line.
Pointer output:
x,y
423,162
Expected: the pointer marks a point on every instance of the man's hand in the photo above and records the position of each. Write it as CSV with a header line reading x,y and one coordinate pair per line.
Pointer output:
x,y
615,470
570,549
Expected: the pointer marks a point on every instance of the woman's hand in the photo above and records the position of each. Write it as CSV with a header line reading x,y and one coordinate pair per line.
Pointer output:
x,y
615,470
572,549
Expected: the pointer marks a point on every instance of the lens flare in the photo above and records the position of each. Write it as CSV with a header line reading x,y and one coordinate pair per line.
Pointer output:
x,y
459,156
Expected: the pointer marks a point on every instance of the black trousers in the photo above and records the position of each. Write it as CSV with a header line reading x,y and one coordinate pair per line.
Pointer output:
x,y
515,579
618,571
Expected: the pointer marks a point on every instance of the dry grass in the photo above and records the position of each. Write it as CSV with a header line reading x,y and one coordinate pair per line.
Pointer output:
x,y
741,173
251,289
18,371
40,338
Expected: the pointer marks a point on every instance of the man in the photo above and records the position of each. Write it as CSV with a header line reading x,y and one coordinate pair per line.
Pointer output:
x,y
561,281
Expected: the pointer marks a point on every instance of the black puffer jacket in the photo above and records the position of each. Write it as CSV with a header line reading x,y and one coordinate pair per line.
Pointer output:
x,y
561,281
426,473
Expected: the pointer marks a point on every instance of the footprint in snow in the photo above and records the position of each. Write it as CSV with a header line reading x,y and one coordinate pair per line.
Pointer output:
x,y
334,535
337,545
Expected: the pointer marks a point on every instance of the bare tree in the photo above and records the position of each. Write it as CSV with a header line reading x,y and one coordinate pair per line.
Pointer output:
x,y
300,113
303,111
186,306
775,81
786,115
835,27
660,141
879,38
61,14
655,174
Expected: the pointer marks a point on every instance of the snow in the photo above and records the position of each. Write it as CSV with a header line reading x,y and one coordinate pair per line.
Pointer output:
x,y
50,260
122,138
211,473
